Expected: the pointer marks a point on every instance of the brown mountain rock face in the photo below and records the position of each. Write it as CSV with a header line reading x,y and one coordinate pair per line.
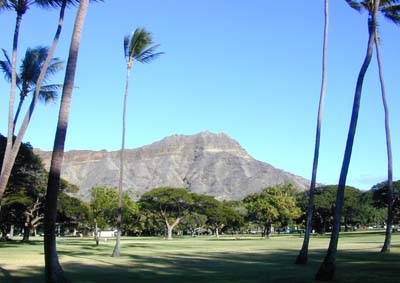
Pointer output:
x,y
205,163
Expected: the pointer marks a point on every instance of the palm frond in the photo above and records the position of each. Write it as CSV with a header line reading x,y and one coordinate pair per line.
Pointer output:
x,y
55,3
149,54
54,67
4,5
392,13
355,5
140,40
137,46
48,95
5,66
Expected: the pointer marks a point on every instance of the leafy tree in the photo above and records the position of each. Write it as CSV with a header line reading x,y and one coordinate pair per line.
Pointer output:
x,y
29,73
302,258
53,269
327,268
193,222
72,212
219,216
236,220
276,204
137,47
171,205
381,198
104,205
371,213
22,203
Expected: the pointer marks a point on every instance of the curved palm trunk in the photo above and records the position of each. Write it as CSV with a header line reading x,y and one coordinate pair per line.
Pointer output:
x,y
117,248
389,221
9,160
53,270
326,271
302,258
20,103
7,164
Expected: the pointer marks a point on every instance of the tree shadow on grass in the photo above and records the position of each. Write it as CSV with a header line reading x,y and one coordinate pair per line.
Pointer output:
x,y
94,264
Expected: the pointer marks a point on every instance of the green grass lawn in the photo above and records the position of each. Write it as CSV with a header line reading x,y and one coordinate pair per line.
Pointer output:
x,y
204,259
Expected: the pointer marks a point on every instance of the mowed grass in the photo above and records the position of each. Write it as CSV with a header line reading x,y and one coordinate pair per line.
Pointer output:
x,y
204,259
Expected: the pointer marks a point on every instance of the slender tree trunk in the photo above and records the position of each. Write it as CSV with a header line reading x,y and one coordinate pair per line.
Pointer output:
x,y
21,102
26,232
11,154
53,270
117,248
302,258
326,271
389,221
170,227
7,165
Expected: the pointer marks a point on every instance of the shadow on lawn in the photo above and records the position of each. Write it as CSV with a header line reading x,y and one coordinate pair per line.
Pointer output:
x,y
246,267
151,262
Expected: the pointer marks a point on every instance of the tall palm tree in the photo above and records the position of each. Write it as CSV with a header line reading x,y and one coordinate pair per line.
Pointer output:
x,y
138,47
302,258
53,269
20,7
326,271
12,148
29,73
390,9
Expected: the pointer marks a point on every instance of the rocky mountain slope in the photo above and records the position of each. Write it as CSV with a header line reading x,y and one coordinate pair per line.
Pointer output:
x,y
205,163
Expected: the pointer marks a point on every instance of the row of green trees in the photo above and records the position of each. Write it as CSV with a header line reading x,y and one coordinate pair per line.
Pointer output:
x,y
164,210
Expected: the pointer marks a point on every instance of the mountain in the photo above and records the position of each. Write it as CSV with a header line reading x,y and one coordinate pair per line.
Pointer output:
x,y
205,163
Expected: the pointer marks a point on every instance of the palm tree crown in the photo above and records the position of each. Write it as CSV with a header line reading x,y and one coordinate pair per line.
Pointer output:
x,y
29,72
389,8
138,47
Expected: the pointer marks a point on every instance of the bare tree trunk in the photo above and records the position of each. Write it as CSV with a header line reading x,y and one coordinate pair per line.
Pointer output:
x,y
53,269
326,271
117,248
389,221
302,258
7,165
170,227
26,233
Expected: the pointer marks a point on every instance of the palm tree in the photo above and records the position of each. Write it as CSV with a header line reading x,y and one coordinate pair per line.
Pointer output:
x,y
20,7
390,9
12,148
326,271
302,258
29,74
53,269
137,47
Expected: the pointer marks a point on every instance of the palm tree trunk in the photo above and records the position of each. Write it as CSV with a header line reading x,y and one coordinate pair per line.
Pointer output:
x,y
53,270
7,164
326,271
389,221
302,258
11,155
21,101
117,248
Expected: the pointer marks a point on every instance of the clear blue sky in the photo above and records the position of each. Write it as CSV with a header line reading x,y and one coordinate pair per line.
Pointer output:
x,y
251,69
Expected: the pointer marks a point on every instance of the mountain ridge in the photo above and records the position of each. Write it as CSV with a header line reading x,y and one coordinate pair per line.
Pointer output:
x,y
206,163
